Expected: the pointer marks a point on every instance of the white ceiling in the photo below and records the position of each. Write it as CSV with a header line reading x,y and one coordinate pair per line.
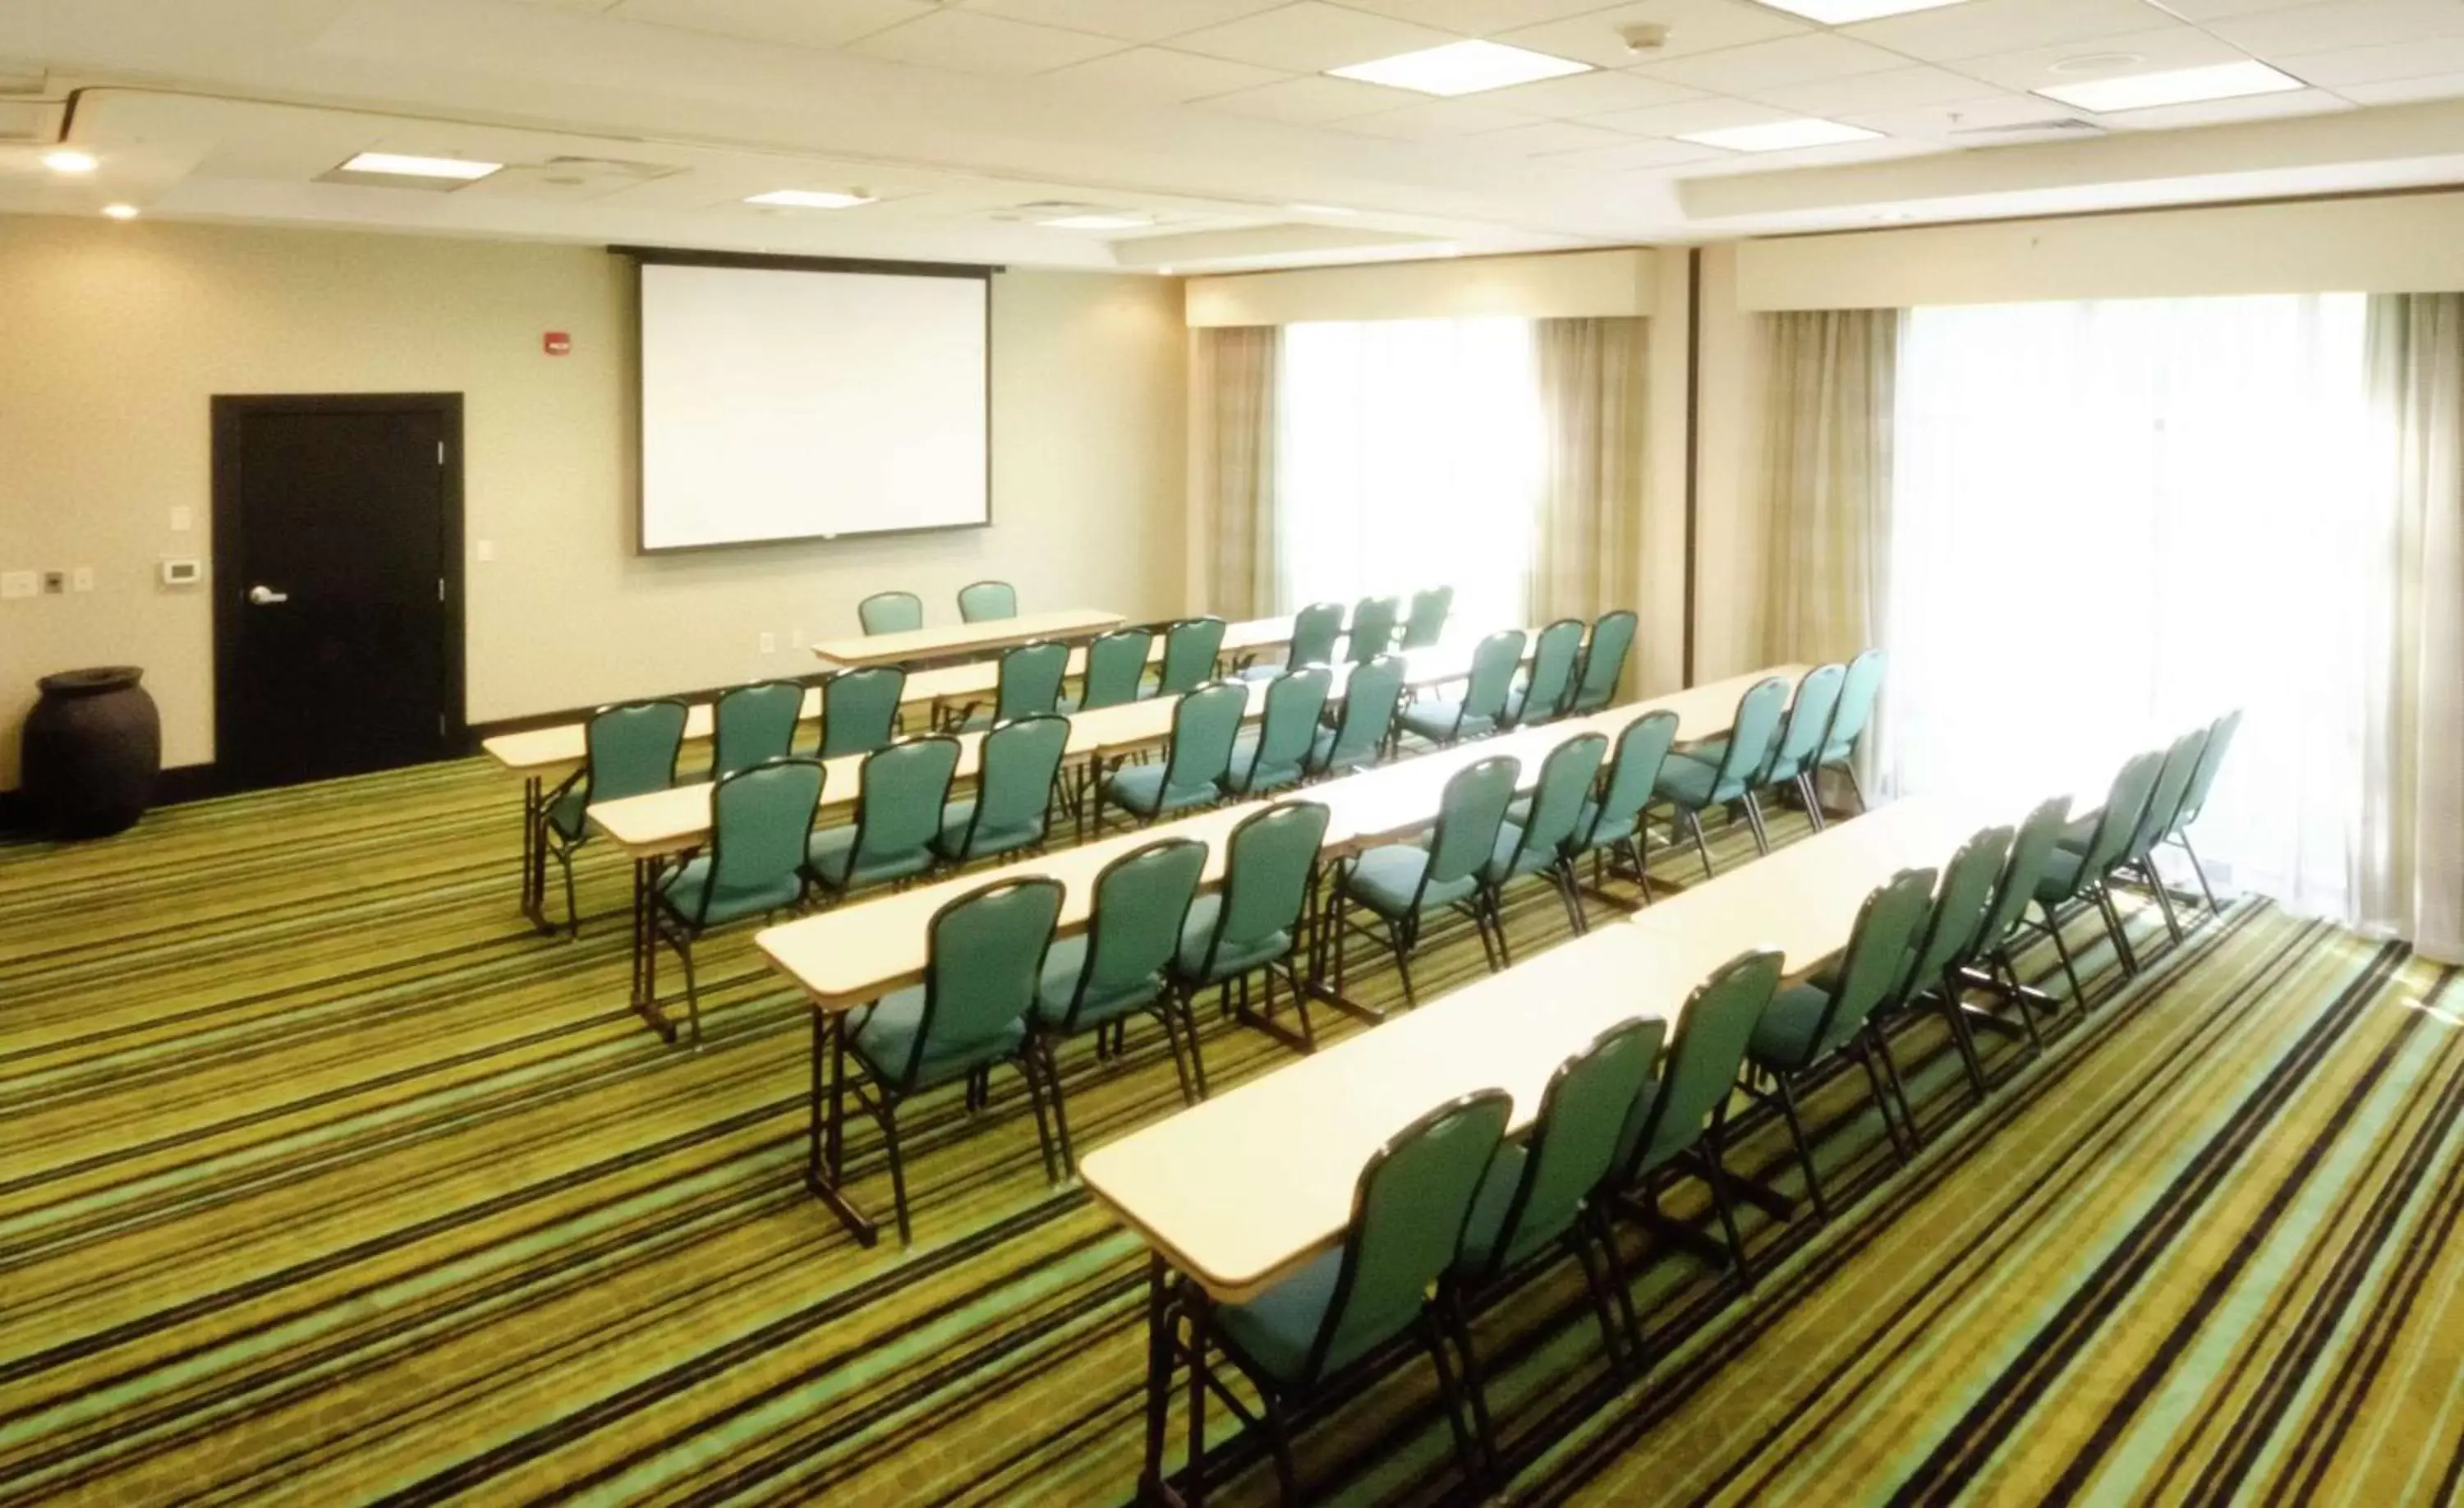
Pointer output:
x,y
651,119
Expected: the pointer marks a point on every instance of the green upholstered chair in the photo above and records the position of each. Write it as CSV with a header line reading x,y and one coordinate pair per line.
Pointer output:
x,y
1306,1340
1278,754
1604,659
1543,691
1373,624
891,613
2194,801
1539,841
629,749
1691,783
1315,630
1996,967
1251,925
1953,933
898,815
1681,1119
984,965
1204,726
1400,884
2083,875
1191,648
1807,1023
759,818
1610,828
1800,744
1121,964
1371,698
1426,622
1029,683
2165,804
1859,691
754,723
1480,710
1543,1196
1016,776
1116,670
984,602
860,710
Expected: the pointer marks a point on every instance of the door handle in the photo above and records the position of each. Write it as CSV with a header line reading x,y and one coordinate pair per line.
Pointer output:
x,y
266,597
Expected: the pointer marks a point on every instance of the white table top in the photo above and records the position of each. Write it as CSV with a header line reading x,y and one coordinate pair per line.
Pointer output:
x,y
957,638
1241,1190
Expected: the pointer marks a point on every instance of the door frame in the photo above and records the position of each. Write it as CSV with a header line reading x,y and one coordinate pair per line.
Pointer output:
x,y
230,411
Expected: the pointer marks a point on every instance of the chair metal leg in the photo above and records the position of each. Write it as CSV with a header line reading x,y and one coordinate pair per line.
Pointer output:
x,y
2147,867
2102,894
1805,787
1189,1026
1279,1437
1497,924
2197,868
886,1113
2062,951
1038,1063
1702,846
1849,768
1754,824
1714,1150
1859,1049
1562,874
1458,1320
1804,1148
1465,1453
1403,963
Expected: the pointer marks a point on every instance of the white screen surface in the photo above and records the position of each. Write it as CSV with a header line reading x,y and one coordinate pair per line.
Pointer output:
x,y
785,404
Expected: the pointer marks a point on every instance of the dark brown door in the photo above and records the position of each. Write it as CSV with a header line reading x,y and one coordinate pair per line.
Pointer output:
x,y
336,608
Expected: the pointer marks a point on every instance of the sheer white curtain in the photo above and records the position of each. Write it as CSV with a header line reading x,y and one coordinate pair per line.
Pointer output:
x,y
2114,520
1410,455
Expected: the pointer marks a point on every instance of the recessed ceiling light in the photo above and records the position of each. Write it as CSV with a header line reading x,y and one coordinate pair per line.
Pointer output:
x,y
120,211
809,199
1839,12
2180,86
1096,222
1781,135
395,165
1461,68
1320,210
69,160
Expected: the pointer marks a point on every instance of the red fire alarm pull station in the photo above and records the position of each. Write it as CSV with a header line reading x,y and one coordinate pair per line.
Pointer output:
x,y
556,342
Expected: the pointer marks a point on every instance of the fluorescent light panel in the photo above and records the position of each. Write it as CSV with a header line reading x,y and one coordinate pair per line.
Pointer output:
x,y
1461,68
2179,86
1779,136
70,160
1840,13
809,199
396,164
120,211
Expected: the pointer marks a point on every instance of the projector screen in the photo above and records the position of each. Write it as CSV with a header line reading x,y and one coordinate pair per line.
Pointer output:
x,y
787,403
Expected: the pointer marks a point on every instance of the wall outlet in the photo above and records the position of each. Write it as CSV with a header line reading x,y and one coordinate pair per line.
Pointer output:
x,y
15,584
769,644
54,583
183,519
81,580
487,551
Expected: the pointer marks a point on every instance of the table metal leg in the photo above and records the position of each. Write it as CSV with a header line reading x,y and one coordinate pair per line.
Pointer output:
x,y
825,1149
535,854
1159,1349
646,948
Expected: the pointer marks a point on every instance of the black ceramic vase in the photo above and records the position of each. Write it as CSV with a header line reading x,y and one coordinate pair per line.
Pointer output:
x,y
93,747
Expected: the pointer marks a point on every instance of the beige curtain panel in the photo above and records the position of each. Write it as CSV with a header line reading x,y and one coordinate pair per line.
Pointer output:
x,y
1592,399
1830,375
1235,373
2412,882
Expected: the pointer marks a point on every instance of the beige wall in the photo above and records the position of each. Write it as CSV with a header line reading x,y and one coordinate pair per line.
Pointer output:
x,y
112,339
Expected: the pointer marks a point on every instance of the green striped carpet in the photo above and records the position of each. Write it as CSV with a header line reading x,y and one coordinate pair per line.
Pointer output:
x,y
324,1180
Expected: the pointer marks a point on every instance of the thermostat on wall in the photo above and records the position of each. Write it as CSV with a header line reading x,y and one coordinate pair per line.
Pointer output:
x,y
187,572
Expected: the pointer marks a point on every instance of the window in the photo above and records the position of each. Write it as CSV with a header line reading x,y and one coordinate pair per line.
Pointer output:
x,y
2114,520
1409,454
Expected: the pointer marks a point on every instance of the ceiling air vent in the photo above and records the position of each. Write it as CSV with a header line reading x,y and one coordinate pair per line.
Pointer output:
x,y
2050,125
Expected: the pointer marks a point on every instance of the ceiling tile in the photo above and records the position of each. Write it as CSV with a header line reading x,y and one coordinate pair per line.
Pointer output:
x,y
2406,91
1591,94
1982,26
1552,136
2157,51
2370,65
1632,155
832,25
1959,124
1152,73
2321,28
1892,89
973,43
1131,20
1476,17
1787,60
1694,26
1311,101
2224,112
2213,9
1695,115
1438,120
1728,163
1311,38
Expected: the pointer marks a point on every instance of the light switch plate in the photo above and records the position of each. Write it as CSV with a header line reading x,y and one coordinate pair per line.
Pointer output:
x,y
183,518
487,551
15,584
769,644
